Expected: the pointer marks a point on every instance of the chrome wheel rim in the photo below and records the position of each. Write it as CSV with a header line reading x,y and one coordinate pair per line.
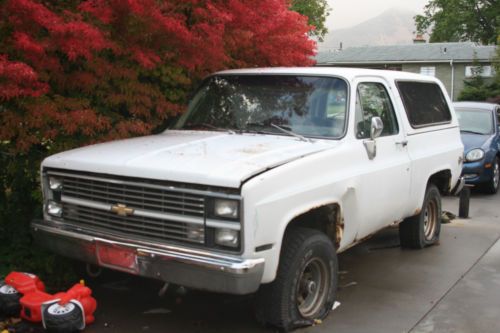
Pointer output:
x,y
58,309
496,175
430,220
312,289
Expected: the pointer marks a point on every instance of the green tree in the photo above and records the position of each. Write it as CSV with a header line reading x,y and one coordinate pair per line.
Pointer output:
x,y
317,11
460,20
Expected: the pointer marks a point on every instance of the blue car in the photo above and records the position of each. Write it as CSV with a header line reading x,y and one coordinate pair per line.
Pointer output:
x,y
479,128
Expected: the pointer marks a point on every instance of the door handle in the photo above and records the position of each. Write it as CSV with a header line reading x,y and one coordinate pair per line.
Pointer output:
x,y
403,143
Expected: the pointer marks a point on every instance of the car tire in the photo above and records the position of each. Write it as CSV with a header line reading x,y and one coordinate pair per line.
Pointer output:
x,y
62,319
306,282
423,229
10,305
491,187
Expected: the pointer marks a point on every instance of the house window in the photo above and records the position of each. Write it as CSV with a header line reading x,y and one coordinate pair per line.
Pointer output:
x,y
428,70
483,71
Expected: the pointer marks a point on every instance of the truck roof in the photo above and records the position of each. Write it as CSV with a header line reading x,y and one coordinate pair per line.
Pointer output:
x,y
347,73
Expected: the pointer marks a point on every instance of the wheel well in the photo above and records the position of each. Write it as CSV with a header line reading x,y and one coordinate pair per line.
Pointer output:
x,y
326,219
442,180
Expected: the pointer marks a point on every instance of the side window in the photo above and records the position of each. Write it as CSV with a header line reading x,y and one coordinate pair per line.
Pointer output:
x,y
372,100
424,103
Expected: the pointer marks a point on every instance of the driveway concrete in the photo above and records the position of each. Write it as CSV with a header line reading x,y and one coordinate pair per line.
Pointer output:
x,y
451,287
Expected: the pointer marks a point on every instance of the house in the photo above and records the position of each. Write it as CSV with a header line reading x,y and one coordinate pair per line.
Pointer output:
x,y
452,63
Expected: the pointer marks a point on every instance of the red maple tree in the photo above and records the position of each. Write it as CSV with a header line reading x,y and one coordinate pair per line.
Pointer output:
x,y
78,72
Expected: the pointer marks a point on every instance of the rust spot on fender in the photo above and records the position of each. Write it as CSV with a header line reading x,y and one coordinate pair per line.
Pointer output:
x,y
339,233
417,211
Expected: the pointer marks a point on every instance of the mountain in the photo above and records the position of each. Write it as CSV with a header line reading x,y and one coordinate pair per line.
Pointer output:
x,y
395,26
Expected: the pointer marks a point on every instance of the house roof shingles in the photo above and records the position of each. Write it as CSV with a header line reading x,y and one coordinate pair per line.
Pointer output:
x,y
428,52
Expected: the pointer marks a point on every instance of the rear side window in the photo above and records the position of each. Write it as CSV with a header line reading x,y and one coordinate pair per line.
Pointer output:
x,y
425,103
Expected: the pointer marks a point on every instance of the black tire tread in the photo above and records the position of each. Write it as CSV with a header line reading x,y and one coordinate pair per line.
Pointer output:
x,y
10,305
488,187
410,234
271,302
65,323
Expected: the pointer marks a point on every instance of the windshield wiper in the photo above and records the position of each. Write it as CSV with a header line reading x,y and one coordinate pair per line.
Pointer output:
x,y
206,125
289,132
472,132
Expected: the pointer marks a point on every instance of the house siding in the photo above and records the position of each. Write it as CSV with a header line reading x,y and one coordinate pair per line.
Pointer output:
x,y
444,73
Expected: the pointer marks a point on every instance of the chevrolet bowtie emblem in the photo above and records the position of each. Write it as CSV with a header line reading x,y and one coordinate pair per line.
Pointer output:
x,y
122,210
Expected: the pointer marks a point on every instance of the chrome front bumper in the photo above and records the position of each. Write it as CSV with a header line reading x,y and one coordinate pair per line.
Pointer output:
x,y
188,267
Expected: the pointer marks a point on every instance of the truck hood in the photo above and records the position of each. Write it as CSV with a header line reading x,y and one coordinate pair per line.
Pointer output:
x,y
199,157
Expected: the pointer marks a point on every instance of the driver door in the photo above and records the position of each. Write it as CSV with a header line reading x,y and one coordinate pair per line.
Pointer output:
x,y
385,183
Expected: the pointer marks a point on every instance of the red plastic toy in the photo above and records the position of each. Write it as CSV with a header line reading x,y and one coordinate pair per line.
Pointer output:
x,y
68,311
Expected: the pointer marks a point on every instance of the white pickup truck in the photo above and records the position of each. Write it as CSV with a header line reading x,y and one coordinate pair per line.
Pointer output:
x,y
267,176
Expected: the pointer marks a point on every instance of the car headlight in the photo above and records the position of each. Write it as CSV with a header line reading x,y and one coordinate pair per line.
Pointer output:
x,y
227,237
54,208
226,208
474,155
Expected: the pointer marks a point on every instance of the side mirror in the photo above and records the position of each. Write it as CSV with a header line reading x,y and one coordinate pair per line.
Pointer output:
x,y
377,126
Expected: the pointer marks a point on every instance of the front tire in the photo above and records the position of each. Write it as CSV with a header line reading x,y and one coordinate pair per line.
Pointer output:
x,y
63,318
491,187
306,283
423,229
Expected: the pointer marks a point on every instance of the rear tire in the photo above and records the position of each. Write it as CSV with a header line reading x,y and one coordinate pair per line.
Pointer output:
x,y
10,305
423,229
306,283
491,187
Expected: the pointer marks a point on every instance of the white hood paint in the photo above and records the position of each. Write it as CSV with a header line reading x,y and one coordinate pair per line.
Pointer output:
x,y
199,157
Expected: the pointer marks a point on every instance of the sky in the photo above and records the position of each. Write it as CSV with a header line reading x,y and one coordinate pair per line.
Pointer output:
x,y
346,13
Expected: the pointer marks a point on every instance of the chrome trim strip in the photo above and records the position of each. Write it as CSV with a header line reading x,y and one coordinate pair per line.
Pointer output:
x,y
85,203
123,182
137,212
223,224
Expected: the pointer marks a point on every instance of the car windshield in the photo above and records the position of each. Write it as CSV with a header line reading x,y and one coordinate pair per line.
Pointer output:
x,y
270,104
475,121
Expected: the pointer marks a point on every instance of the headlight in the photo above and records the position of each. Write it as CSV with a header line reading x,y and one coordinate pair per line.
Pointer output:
x,y
474,155
55,184
227,237
54,208
226,208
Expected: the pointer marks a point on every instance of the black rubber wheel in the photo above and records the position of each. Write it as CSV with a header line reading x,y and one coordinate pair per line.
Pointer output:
x,y
62,319
423,229
491,187
10,305
306,283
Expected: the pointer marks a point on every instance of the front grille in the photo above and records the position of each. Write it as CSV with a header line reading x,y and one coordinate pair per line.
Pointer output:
x,y
138,226
161,213
135,196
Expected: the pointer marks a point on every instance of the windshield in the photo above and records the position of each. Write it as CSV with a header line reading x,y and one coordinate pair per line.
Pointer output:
x,y
475,121
303,105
